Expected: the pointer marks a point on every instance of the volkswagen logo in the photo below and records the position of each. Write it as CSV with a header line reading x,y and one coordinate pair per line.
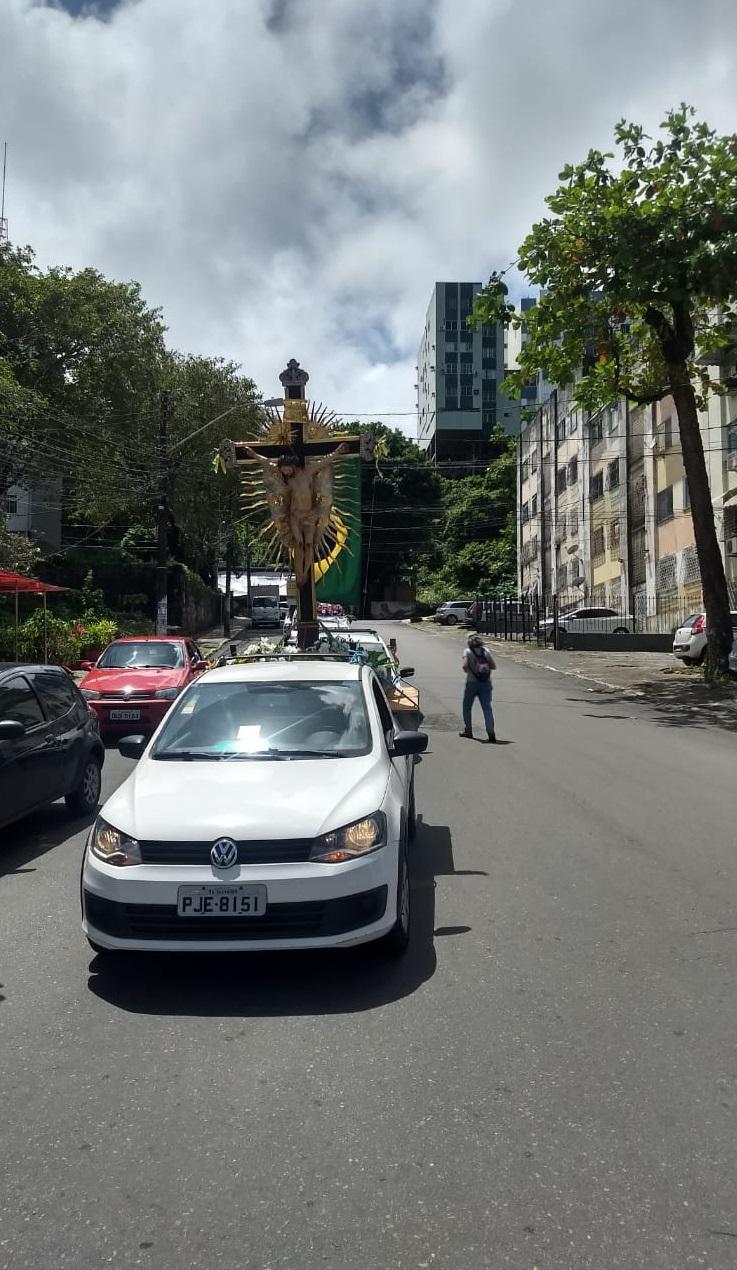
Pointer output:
x,y
223,853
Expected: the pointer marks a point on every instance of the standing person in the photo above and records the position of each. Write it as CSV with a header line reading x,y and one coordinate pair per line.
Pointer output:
x,y
478,664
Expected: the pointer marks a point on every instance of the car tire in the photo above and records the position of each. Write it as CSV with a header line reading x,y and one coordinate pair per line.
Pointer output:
x,y
699,661
688,661
396,942
620,630
85,797
450,620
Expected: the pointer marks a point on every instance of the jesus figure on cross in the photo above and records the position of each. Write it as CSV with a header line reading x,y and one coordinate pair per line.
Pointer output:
x,y
302,512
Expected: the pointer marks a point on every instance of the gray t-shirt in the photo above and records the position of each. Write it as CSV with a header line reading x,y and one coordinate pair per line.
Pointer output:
x,y
473,659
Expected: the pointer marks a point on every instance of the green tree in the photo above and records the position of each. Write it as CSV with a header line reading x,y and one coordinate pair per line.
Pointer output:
x,y
638,270
401,509
17,553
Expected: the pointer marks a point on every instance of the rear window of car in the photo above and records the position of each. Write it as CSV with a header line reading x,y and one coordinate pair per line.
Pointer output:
x,y
265,602
141,654
241,720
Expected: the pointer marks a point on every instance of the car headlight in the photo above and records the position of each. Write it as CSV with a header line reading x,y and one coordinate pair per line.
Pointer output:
x,y
114,847
167,694
358,839
91,694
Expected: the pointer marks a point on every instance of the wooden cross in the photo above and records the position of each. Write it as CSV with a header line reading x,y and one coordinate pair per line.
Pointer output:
x,y
294,379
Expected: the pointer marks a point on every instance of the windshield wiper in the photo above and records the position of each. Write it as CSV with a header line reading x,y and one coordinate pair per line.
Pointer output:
x,y
188,755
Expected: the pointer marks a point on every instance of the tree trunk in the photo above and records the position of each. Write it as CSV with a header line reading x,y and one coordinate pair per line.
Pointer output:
x,y
711,564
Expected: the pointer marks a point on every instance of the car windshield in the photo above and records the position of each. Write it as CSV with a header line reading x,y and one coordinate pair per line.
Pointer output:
x,y
298,719
138,654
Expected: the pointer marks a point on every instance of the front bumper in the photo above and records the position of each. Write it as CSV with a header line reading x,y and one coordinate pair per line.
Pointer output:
x,y
308,906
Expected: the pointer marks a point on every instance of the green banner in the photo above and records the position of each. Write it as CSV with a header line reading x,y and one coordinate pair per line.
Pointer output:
x,y
341,583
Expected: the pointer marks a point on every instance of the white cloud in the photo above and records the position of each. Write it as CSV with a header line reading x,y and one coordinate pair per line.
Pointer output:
x,y
289,177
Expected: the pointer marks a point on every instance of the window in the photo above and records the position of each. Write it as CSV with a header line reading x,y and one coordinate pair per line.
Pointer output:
x,y
613,474
490,416
488,363
385,714
612,422
451,382
664,506
488,341
573,521
533,505
573,472
19,703
488,388
524,471
467,402
732,439
56,692
466,381
686,496
614,532
525,513
597,486
451,403
11,504
596,432
668,433
573,423
452,325
560,480
451,357
533,461
597,543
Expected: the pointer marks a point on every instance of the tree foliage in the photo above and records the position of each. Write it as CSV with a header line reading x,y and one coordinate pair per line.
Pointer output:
x,y
638,270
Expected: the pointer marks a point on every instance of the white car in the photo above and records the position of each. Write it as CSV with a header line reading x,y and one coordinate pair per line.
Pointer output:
x,y
272,809
452,612
588,621
689,641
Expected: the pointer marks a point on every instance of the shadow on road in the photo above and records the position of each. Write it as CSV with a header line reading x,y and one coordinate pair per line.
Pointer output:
x,y
675,703
252,985
31,838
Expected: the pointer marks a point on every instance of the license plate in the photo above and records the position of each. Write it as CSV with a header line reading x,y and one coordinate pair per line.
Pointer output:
x,y
127,716
221,901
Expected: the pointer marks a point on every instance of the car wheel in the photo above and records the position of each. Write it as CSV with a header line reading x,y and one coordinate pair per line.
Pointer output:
x,y
83,800
412,815
397,940
451,619
620,630
699,661
688,661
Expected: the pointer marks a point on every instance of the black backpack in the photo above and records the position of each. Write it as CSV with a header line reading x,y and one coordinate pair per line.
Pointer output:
x,y
479,666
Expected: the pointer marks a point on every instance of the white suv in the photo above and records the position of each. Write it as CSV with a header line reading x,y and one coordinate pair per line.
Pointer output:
x,y
273,808
452,612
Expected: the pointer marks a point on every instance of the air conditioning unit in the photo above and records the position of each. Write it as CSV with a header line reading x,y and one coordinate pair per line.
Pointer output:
x,y
731,546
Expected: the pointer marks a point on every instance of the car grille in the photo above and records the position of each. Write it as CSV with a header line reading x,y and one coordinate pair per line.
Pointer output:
x,y
278,851
138,695
305,920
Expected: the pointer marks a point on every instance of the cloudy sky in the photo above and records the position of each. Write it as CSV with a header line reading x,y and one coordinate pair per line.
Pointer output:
x,y
289,177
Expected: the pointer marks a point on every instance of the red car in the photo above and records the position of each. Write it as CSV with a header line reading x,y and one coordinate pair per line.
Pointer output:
x,y
136,679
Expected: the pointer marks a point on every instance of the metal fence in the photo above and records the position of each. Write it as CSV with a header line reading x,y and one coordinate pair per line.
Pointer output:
x,y
546,619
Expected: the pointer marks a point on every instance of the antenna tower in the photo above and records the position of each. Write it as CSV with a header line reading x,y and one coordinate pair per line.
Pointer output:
x,y
3,221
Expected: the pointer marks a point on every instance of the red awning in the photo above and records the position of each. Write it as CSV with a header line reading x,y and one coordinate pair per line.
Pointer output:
x,y
16,582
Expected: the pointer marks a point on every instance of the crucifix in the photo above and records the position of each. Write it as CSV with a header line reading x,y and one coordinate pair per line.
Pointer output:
x,y
292,472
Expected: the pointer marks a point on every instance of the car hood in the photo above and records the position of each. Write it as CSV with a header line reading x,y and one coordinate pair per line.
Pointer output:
x,y
132,680
172,800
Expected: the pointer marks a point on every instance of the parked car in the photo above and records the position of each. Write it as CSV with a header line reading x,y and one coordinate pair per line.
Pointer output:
x,y
588,621
136,679
265,610
50,743
452,612
733,657
689,641
272,809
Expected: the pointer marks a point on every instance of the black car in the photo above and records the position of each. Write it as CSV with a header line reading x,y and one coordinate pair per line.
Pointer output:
x,y
50,744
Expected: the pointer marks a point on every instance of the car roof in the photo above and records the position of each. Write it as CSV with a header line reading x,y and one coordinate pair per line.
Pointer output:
x,y
150,639
6,667
283,671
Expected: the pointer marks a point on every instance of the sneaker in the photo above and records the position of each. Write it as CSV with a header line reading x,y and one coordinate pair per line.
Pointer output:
x,y
467,736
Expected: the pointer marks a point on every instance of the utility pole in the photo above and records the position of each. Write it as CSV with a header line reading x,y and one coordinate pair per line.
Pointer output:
x,y
162,561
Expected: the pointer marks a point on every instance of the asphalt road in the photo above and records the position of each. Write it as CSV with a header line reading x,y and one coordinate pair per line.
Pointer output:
x,y
548,1079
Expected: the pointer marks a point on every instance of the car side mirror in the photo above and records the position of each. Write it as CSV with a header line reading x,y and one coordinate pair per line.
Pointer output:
x,y
132,746
407,673
198,667
11,729
406,743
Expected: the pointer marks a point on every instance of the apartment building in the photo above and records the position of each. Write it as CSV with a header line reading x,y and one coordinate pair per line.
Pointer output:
x,y
604,513
459,374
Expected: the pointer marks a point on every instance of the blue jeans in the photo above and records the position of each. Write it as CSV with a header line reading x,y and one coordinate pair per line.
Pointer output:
x,y
481,690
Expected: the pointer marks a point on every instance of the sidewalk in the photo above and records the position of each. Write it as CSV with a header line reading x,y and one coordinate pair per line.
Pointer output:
x,y
633,673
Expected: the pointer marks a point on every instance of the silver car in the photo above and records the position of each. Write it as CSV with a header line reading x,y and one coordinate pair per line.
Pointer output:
x,y
689,641
452,612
